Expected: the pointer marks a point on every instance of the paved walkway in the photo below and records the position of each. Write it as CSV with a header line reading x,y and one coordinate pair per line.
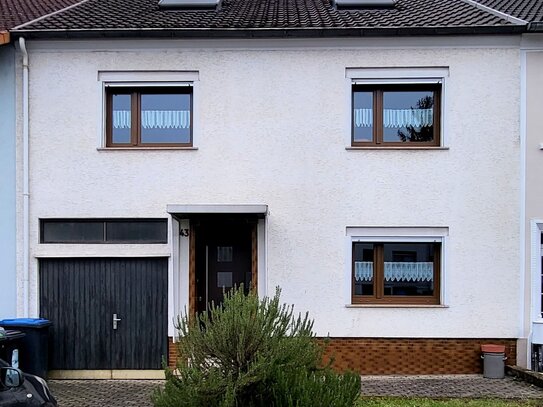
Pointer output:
x,y
449,386
124,393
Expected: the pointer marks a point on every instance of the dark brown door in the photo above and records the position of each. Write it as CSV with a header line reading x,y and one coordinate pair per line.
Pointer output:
x,y
223,260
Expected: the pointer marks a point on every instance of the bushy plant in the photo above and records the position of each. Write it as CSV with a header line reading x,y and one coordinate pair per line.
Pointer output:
x,y
250,352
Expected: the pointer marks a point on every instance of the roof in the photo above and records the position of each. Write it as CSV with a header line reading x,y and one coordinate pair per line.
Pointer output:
x,y
529,10
17,12
235,18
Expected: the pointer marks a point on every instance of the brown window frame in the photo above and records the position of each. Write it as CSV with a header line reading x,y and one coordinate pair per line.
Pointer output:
x,y
377,90
135,113
378,296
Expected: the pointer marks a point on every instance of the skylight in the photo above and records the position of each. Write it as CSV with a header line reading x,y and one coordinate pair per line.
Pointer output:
x,y
173,4
354,4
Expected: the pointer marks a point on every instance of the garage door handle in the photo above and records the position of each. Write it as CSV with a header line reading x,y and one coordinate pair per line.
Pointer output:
x,y
115,320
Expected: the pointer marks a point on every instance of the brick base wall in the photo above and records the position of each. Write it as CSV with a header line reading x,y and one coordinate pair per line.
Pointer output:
x,y
412,356
404,355
172,352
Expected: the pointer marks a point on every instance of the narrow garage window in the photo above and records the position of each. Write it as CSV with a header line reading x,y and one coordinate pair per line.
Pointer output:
x,y
104,231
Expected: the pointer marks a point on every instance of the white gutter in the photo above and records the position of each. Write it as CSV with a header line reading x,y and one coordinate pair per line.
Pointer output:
x,y
26,194
524,297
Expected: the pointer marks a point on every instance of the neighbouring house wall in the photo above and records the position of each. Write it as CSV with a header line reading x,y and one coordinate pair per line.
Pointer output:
x,y
272,130
534,186
8,287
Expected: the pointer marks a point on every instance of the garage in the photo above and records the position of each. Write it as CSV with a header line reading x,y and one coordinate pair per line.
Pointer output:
x,y
107,313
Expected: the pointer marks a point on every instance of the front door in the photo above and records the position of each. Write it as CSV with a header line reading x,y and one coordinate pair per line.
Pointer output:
x,y
223,260
107,313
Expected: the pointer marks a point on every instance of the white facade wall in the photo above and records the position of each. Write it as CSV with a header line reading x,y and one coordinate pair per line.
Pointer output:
x,y
272,130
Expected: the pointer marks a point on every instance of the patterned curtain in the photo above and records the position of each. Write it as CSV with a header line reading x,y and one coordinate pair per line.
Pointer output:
x,y
396,271
394,118
154,119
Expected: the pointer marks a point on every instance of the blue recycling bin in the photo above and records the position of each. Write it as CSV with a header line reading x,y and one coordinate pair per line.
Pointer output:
x,y
33,353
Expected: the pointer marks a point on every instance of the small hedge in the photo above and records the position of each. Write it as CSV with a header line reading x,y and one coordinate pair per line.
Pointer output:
x,y
250,352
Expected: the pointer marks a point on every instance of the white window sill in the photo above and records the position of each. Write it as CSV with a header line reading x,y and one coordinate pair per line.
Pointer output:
x,y
145,148
349,148
396,306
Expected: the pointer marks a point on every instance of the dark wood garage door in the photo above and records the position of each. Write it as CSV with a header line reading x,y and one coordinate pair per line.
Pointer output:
x,y
81,296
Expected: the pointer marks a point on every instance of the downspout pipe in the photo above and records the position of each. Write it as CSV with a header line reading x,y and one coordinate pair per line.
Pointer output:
x,y
26,190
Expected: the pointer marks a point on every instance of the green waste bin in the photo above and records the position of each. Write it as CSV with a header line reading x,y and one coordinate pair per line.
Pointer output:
x,y
33,353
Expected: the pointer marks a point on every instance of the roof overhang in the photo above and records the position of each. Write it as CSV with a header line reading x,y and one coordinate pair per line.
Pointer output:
x,y
185,211
4,37
310,32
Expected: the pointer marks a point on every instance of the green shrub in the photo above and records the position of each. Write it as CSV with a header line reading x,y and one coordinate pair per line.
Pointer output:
x,y
250,352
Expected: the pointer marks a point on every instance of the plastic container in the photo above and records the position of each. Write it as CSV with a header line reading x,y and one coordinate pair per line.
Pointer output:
x,y
494,361
33,353
10,344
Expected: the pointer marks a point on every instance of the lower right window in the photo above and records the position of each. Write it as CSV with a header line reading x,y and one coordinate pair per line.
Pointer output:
x,y
396,272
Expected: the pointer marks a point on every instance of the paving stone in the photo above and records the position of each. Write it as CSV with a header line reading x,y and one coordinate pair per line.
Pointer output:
x,y
111,393
128,393
449,386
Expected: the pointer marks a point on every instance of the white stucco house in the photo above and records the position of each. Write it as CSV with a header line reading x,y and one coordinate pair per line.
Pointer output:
x,y
368,159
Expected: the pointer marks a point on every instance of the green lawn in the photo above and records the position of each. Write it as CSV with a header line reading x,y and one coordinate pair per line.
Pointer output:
x,y
421,402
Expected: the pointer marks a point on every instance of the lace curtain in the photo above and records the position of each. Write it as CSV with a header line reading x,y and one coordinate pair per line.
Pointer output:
x,y
396,271
394,118
154,119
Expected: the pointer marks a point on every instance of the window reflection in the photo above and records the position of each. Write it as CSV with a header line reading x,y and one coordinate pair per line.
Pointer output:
x,y
165,118
408,116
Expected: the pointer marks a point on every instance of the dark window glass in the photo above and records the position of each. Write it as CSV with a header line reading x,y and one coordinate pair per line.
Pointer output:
x,y
363,268
409,269
72,232
137,231
104,231
121,119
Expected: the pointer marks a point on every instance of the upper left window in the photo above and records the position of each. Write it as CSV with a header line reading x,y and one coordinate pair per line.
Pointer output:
x,y
149,117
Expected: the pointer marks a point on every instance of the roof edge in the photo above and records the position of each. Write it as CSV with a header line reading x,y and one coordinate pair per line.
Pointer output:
x,y
535,26
4,37
49,15
310,32
497,13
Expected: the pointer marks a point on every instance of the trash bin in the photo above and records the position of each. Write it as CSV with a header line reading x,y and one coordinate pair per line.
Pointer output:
x,y
33,353
494,361
10,343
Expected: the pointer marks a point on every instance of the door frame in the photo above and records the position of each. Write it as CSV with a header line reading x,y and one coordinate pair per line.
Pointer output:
x,y
183,294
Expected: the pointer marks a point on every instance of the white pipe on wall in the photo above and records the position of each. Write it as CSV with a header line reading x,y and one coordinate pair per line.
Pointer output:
x,y
26,194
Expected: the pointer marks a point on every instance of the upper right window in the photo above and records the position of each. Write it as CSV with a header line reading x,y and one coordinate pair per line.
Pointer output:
x,y
396,115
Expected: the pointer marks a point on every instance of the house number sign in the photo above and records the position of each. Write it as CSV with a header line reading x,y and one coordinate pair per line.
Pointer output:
x,y
184,232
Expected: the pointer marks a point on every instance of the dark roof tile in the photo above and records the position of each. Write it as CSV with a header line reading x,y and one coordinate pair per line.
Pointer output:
x,y
17,12
529,10
265,14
